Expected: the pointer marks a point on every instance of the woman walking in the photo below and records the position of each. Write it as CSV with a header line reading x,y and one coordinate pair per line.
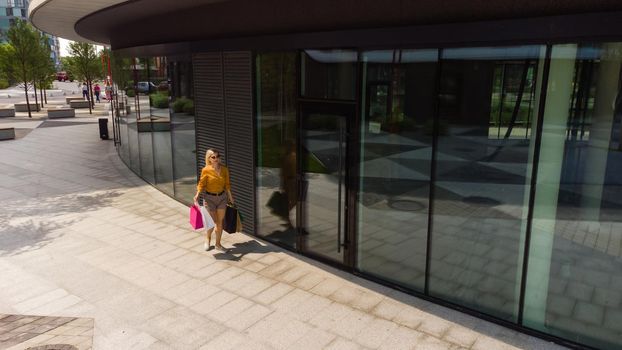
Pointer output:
x,y
97,90
214,184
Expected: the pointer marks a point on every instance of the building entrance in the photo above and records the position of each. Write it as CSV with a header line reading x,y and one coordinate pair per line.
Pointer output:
x,y
324,169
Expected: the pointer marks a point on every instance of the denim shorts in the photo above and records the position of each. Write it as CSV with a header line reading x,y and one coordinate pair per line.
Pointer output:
x,y
214,202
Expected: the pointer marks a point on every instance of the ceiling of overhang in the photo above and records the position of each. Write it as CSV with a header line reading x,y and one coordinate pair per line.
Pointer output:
x,y
143,22
59,17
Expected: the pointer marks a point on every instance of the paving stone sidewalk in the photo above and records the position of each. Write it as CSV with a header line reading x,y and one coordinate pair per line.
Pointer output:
x,y
81,236
45,333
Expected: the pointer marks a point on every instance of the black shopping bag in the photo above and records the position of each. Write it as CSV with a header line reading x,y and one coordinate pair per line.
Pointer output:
x,y
231,219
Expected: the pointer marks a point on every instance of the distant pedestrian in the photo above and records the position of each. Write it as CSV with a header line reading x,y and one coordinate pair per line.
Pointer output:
x,y
108,90
97,91
85,91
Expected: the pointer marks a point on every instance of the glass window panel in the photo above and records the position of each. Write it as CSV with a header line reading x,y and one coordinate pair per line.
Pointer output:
x,y
329,74
143,121
121,71
396,151
181,88
161,125
482,182
276,146
574,276
133,117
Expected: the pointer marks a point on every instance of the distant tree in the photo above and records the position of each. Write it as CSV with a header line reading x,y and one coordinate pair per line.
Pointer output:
x,y
5,79
20,54
121,70
85,65
43,67
66,64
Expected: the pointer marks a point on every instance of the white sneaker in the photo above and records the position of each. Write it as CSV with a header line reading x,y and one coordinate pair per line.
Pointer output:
x,y
205,246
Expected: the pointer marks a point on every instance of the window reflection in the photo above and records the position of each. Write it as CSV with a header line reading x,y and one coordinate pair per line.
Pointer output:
x,y
276,146
396,151
574,278
161,125
142,87
482,180
329,74
181,108
121,72
133,116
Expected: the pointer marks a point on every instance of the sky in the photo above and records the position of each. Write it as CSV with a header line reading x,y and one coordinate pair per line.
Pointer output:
x,y
64,47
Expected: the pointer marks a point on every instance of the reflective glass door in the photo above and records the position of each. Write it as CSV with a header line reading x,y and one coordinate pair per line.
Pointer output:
x,y
324,170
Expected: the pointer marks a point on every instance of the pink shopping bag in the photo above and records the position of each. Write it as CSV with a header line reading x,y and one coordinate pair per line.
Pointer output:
x,y
196,219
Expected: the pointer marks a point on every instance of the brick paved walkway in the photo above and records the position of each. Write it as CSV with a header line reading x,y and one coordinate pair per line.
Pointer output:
x,y
40,332
81,236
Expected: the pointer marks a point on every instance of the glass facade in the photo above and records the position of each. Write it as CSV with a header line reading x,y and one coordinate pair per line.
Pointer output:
x,y
329,74
485,177
155,106
395,164
183,144
574,276
450,143
276,146
482,178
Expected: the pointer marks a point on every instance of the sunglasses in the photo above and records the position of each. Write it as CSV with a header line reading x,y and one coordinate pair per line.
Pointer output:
x,y
214,157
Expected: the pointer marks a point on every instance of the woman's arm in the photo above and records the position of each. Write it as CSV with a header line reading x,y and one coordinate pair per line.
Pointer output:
x,y
230,195
201,185
228,187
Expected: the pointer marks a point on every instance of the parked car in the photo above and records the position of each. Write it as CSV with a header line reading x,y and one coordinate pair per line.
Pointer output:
x,y
63,76
145,86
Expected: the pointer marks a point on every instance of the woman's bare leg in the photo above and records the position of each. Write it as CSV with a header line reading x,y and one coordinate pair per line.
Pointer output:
x,y
220,214
209,232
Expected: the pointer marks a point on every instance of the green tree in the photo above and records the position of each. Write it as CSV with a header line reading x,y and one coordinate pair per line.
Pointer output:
x,y
20,54
5,80
43,67
121,71
85,65
67,64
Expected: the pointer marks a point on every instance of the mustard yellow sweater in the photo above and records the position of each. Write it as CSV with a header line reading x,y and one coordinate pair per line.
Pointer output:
x,y
211,181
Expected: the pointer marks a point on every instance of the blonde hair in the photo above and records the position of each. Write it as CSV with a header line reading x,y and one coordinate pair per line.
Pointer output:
x,y
208,154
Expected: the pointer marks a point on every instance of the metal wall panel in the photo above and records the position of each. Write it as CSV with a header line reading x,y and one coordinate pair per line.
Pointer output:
x,y
209,104
224,121
239,131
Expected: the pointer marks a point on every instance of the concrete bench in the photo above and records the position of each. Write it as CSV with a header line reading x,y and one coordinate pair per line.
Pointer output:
x,y
61,113
23,107
79,104
73,98
7,133
7,112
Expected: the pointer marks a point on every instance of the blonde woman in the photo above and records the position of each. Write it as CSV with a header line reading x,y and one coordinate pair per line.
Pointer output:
x,y
216,188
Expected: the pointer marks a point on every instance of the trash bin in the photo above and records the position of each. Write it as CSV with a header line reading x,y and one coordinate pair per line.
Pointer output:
x,y
103,128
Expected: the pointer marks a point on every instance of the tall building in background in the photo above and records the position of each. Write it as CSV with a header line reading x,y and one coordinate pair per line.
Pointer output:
x,y
54,48
12,9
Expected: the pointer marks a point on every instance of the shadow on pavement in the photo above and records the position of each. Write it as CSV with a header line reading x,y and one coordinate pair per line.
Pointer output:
x,y
240,249
30,224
